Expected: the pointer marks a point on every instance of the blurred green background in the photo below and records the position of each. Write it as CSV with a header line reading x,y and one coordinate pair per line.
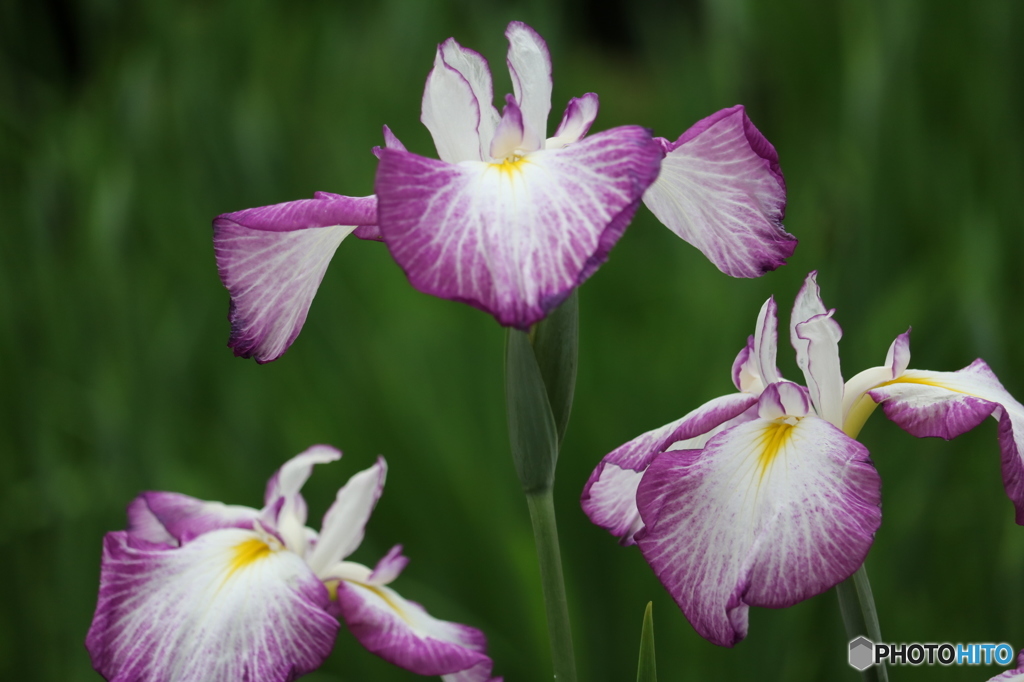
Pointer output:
x,y
126,127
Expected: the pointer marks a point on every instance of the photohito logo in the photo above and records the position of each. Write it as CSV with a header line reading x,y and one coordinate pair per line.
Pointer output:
x,y
864,653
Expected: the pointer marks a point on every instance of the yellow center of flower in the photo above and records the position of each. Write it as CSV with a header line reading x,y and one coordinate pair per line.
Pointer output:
x,y
248,553
772,440
511,165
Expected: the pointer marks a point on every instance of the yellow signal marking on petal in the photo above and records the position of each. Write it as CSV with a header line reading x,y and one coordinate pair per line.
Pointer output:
x,y
772,440
510,166
332,591
248,553
926,382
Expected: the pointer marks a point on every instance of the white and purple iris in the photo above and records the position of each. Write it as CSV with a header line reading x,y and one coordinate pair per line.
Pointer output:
x,y
764,497
508,220
196,591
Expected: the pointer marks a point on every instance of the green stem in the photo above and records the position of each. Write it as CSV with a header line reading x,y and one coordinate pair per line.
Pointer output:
x,y
860,617
545,535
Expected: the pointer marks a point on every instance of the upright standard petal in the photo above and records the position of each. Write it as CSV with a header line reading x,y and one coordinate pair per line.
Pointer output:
x,y
946,404
473,67
766,342
226,606
451,112
345,522
272,260
529,62
513,238
721,189
769,513
815,337
609,497
284,507
576,121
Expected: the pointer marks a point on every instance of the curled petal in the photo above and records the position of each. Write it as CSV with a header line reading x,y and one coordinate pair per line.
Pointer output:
x,y
173,518
783,399
345,522
529,62
766,342
391,141
403,633
508,138
272,260
576,121
473,67
767,514
815,337
225,606
721,190
513,238
389,567
451,112
896,361
609,497
946,404
285,508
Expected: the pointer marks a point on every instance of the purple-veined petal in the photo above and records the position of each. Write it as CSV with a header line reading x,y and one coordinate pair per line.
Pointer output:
x,y
946,404
391,141
609,497
766,342
389,567
769,513
401,631
225,606
344,523
272,259
514,238
1016,675
721,190
284,507
508,138
576,121
174,519
529,62
815,337
472,66
451,112
481,672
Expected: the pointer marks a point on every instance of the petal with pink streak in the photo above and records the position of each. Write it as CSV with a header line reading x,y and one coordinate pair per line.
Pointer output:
x,y
609,497
529,62
175,519
721,190
514,238
946,404
222,607
767,514
403,633
272,259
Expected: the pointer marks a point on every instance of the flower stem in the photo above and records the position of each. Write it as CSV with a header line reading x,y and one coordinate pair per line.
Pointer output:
x,y
545,535
860,617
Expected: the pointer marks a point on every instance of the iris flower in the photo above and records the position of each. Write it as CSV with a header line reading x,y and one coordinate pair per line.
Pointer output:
x,y
196,591
508,220
763,497
1015,675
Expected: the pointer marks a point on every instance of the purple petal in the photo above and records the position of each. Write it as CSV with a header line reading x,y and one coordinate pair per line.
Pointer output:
x,y
783,399
174,519
529,62
389,567
223,607
272,259
767,514
721,190
576,121
451,111
815,337
513,239
391,141
345,522
946,404
1016,675
609,497
403,633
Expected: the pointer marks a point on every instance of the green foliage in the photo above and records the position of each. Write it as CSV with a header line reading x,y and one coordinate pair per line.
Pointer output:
x,y
646,669
126,127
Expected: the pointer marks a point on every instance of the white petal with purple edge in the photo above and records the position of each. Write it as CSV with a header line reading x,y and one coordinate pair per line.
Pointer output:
x,y
225,606
946,404
175,519
473,67
609,497
769,513
576,121
403,633
272,259
285,508
513,238
529,63
720,189
766,341
815,337
344,523
451,113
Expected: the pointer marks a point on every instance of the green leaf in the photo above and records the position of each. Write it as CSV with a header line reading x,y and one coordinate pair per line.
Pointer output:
x,y
646,671
556,345
531,426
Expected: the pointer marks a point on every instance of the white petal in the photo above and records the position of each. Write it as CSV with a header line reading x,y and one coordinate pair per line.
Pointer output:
x,y
345,522
529,62
451,113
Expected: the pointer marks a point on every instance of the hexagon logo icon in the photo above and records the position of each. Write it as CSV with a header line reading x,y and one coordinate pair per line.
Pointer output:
x,y
862,653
